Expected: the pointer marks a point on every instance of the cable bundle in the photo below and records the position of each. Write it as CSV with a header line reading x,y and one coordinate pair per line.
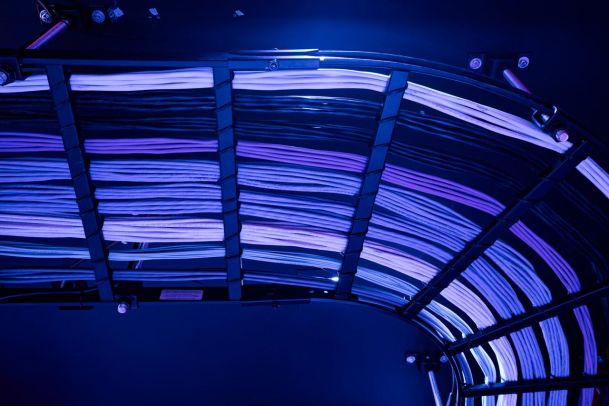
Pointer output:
x,y
42,275
296,205
477,114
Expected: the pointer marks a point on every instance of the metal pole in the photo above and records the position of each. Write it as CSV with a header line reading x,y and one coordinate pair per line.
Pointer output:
x,y
434,388
56,30
514,81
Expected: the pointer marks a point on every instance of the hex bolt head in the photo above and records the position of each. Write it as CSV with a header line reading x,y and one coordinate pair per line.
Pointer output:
x,y
45,16
475,63
523,62
561,135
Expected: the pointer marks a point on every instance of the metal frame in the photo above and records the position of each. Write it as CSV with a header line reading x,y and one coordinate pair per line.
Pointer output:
x,y
541,313
475,248
536,385
35,61
87,206
31,60
396,86
227,152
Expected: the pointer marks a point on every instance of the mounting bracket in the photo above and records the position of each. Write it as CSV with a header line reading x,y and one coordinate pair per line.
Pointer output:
x,y
493,65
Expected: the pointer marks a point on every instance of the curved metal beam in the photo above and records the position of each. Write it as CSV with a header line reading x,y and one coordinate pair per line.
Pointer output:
x,y
561,168
527,319
536,385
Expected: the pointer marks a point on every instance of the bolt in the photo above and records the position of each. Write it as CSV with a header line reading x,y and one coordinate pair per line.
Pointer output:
x,y
4,77
411,359
561,135
523,62
98,16
273,65
475,63
122,307
45,16
443,359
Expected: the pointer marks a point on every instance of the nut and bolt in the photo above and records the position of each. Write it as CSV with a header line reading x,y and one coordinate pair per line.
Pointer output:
x,y
561,135
475,63
98,16
523,62
123,307
45,16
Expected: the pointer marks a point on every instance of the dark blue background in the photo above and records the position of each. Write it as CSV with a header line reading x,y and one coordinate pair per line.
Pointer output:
x,y
321,353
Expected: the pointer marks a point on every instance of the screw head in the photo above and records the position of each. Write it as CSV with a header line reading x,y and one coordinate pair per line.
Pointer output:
x,y
98,16
122,307
411,359
273,65
4,77
45,16
443,359
561,135
523,62
475,63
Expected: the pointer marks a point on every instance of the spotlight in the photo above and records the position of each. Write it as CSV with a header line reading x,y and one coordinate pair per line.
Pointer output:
x,y
334,279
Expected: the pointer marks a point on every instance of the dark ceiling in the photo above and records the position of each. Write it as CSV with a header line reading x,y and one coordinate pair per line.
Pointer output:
x,y
567,40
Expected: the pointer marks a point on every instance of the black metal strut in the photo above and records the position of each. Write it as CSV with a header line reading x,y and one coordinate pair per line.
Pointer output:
x,y
561,168
227,144
536,385
396,86
541,313
87,206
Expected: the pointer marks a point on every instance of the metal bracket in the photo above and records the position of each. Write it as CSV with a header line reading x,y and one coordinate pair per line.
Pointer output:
x,y
493,65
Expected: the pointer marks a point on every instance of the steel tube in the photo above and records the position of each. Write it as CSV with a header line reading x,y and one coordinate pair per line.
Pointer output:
x,y
434,387
56,30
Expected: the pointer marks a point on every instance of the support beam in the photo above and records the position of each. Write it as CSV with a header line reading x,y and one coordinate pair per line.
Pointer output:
x,y
396,86
87,206
561,168
536,385
527,319
227,144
